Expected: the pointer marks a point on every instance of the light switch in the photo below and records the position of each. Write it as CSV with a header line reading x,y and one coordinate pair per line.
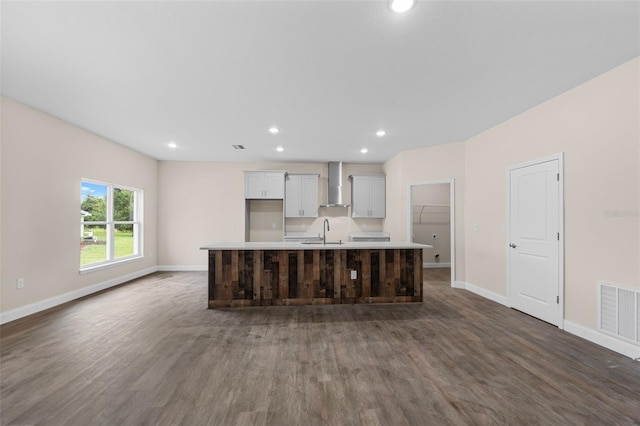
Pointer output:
x,y
354,274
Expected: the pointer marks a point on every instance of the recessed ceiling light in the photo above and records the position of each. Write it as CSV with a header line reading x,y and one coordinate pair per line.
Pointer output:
x,y
279,149
274,130
364,150
400,6
380,133
172,145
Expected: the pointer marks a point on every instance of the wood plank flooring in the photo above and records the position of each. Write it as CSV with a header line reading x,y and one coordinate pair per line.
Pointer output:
x,y
149,352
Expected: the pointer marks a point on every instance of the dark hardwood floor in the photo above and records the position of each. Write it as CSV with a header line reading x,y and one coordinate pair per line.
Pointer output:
x,y
149,352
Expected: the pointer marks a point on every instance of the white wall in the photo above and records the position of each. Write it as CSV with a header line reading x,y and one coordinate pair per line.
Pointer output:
x,y
423,165
596,125
265,220
43,161
203,203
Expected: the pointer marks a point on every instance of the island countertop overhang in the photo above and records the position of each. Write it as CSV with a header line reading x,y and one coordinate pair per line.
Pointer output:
x,y
373,245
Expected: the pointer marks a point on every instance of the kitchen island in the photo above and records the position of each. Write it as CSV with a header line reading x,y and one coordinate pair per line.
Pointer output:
x,y
292,273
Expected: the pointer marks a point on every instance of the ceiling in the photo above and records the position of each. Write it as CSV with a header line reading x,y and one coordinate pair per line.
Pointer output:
x,y
210,74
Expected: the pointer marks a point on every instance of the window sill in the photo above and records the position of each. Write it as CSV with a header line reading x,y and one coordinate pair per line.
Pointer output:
x,y
100,267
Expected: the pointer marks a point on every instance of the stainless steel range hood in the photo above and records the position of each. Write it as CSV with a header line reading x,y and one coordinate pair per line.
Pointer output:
x,y
335,186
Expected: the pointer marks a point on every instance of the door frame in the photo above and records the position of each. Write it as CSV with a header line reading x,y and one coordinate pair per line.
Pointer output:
x,y
452,217
560,158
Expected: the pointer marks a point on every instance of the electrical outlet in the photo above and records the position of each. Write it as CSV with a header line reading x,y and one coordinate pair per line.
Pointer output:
x,y
20,283
354,274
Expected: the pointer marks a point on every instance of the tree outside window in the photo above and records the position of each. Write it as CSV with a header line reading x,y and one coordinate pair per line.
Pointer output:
x,y
110,223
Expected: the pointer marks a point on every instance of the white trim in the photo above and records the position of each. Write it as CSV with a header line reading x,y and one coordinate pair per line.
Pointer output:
x,y
459,284
109,264
452,218
182,268
110,224
609,342
36,307
428,265
560,158
612,343
498,298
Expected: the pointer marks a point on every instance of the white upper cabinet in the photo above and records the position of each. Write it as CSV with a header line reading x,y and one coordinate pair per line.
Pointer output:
x,y
368,196
264,185
301,195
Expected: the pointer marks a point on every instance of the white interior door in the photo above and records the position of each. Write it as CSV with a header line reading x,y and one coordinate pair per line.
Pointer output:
x,y
534,231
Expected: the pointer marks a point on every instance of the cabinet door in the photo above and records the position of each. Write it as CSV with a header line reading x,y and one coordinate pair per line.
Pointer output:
x,y
274,185
254,185
377,204
309,196
360,190
292,206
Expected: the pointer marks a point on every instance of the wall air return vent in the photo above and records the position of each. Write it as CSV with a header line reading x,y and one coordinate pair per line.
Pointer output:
x,y
619,312
238,146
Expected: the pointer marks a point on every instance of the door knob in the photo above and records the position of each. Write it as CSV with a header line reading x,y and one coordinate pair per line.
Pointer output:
x,y
512,245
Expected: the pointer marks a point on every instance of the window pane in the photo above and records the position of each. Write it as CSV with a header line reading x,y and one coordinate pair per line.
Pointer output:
x,y
123,205
94,202
124,241
93,244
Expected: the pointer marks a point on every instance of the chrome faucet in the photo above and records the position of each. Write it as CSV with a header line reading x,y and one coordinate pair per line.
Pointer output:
x,y
324,231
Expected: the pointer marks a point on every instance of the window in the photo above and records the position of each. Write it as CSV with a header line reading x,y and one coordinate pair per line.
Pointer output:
x,y
110,223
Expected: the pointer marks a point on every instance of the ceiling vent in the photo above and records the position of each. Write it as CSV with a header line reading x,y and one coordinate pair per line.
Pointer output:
x,y
238,146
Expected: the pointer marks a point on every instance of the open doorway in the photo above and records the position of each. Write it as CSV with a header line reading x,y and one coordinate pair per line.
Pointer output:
x,y
432,221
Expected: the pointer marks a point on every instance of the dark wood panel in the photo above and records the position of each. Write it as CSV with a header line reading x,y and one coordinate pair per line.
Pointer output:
x,y
253,278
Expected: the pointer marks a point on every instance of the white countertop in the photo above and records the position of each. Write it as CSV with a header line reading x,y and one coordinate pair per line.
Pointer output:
x,y
300,246
370,234
301,235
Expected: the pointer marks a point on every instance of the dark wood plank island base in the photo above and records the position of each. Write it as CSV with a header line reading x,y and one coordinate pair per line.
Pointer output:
x,y
251,277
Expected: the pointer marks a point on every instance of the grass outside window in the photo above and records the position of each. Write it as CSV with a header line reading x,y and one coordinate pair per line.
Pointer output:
x,y
111,223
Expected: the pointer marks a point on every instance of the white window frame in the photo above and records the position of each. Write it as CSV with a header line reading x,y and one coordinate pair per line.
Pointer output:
x,y
110,224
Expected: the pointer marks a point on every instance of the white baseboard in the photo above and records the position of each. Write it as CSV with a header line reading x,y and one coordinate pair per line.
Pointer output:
x,y
609,342
36,307
436,265
182,268
481,292
459,284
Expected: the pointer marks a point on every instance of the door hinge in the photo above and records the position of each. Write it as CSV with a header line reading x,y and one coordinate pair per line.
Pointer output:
x,y
558,177
558,236
558,300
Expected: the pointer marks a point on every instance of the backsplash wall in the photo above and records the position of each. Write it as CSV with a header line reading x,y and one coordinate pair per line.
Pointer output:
x,y
203,203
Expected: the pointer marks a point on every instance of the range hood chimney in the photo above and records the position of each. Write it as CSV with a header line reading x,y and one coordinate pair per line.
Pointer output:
x,y
335,186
